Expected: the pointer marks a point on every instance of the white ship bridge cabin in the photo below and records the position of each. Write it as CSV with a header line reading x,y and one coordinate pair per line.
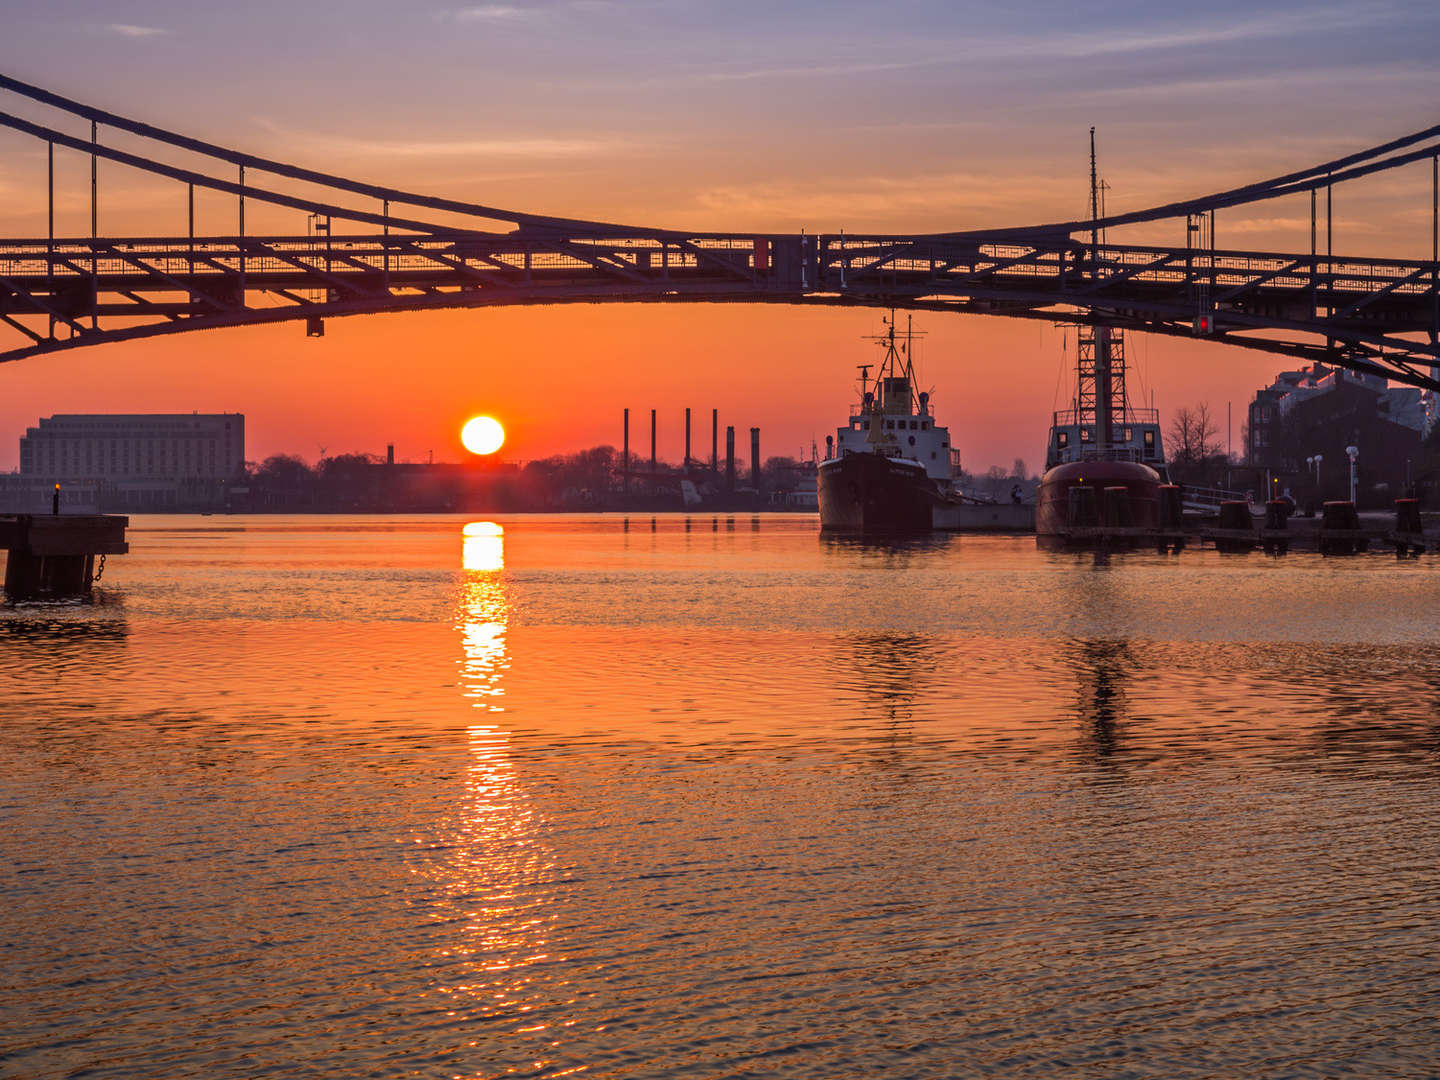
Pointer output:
x,y
896,422
1134,436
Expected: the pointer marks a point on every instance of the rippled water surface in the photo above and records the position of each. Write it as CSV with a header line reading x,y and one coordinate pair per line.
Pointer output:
x,y
713,798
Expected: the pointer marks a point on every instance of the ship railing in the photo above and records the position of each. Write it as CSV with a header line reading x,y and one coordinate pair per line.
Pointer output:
x,y
1091,452
1131,417
1199,498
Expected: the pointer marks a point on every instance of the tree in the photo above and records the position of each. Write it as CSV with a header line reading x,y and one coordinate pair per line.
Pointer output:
x,y
1193,436
1018,472
283,472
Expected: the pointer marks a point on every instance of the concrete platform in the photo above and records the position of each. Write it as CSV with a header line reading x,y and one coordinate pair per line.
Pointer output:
x,y
52,556
997,518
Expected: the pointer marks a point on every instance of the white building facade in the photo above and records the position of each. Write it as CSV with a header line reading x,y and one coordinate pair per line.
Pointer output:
x,y
141,461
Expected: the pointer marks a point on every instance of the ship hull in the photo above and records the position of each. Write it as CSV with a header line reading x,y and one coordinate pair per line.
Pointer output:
x,y
873,494
1118,494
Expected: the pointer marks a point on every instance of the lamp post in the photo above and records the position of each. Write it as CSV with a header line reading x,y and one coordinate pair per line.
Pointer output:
x,y
1352,452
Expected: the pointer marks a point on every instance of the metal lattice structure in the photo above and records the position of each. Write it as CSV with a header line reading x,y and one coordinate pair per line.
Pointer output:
x,y
1374,315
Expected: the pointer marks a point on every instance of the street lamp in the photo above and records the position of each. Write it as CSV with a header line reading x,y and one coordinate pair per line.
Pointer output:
x,y
1352,452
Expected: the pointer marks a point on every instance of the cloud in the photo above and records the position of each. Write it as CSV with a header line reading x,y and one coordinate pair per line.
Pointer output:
x,y
494,13
523,146
130,30
987,51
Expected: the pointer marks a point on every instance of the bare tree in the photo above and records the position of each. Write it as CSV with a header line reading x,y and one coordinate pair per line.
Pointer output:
x,y
1018,471
1206,431
1194,435
1182,437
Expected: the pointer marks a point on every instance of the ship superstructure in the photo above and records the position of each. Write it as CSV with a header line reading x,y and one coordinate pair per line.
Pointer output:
x,y
893,419
1101,424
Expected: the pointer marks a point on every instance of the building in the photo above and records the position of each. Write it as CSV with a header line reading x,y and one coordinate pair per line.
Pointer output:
x,y
1285,399
158,461
1317,413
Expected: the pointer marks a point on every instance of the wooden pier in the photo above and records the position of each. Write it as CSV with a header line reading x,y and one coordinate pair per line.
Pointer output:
x,y
52,556
1338,531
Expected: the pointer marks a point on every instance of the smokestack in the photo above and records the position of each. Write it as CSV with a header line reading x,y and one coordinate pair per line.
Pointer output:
x,y
652,440
625,458
730,458
714,440
686,466
390,453
755,458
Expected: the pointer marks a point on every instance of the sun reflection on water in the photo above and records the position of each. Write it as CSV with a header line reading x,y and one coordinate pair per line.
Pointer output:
x,y
484,614
497,876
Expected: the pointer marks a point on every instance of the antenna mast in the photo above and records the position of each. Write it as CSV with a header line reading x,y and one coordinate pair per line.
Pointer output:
x,y
1094,197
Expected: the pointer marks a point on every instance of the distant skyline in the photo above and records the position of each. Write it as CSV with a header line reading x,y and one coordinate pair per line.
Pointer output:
x,y
918,116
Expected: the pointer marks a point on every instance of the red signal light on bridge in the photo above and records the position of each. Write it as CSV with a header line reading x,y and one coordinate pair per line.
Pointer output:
x,y
1203,324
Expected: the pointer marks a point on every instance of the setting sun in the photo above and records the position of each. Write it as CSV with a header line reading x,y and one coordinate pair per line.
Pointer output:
x,y
482,435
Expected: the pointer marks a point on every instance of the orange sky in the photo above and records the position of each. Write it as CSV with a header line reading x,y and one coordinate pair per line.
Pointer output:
x,y
952,116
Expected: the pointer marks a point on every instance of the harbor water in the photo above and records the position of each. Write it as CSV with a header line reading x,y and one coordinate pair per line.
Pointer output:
x,y
716,797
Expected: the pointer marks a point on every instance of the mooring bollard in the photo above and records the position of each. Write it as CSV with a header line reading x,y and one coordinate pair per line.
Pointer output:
x,y
1409,528
1172,510
1339,524
1235,518
1277,518
55,502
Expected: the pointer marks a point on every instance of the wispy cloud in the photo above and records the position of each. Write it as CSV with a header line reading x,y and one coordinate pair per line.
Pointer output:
x,y
1113,41
522,146
494,13
130,30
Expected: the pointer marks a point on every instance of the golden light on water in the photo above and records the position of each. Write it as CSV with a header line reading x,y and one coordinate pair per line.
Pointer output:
x,y
482,546
482,435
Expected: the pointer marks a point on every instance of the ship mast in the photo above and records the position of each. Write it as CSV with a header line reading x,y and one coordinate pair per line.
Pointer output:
x,y
1100,368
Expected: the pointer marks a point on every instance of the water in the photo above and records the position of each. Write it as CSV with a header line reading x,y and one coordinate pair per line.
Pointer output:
x,y
402,797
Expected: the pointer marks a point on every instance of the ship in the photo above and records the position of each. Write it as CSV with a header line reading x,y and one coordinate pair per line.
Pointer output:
x,y
1105,459
891,465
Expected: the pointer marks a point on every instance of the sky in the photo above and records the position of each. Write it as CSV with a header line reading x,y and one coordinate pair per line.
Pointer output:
x,y
680,113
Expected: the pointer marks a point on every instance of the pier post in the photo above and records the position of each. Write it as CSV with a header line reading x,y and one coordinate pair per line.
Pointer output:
x,y
1238,531
1277,520
1409,528
1340,529
52,556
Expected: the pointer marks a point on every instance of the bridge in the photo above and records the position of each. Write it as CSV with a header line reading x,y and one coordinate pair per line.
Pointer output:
x,y
362,248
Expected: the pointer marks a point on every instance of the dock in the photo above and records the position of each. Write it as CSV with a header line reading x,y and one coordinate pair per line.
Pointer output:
x,y
1338,531
52,556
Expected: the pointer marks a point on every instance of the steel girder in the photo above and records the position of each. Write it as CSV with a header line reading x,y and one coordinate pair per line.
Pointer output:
x,y
1376,315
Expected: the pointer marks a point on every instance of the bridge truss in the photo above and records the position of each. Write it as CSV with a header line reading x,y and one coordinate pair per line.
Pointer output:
x,y
400,251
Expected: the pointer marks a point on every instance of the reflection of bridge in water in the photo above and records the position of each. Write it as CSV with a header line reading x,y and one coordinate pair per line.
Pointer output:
x,y
416,252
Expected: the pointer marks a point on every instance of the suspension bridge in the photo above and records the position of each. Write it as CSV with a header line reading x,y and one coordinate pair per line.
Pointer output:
x,y
368,249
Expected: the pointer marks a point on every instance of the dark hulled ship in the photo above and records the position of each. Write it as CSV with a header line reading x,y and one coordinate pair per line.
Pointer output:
x,y
1105,463
888,468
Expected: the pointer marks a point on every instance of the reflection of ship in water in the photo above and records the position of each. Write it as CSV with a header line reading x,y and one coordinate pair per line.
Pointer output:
x,y
890,673
888,468
1102,668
